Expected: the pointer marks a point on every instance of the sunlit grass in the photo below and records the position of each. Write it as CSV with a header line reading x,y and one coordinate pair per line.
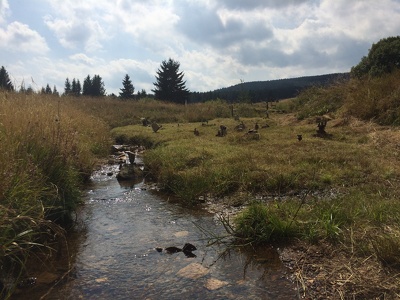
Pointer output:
x,y
48,149
277,162
347,185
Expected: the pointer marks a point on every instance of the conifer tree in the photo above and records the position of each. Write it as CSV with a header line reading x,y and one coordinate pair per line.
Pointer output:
x,y
76,87
142,94
98,86
87,86
55,92
67,87
127,89
5,82
48,90
170,85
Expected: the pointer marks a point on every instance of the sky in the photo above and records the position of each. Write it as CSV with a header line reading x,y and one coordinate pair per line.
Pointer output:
x,y
217,43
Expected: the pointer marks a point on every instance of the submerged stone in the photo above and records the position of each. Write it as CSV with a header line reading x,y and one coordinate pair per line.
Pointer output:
x,y
193,271
215,284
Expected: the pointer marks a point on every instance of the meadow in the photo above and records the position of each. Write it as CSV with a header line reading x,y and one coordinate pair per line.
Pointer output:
x,y
336,196
338,193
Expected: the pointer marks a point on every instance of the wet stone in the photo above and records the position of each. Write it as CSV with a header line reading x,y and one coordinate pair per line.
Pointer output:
x,y
181,233
193,271
47,278
101,280
215,284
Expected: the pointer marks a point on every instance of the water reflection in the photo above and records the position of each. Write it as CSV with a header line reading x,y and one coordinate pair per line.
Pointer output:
x,y
118,252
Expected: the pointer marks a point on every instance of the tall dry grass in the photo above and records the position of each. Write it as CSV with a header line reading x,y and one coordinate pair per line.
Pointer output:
x,y
116,112
47,150
375,99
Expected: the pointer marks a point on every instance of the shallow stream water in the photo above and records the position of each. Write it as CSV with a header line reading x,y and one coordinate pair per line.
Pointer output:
x,y
115,256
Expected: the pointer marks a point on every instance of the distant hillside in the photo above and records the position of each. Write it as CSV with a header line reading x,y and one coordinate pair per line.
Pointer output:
x,y
271,90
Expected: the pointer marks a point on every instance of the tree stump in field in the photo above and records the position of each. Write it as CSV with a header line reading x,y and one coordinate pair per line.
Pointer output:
x,y
321,123
155,126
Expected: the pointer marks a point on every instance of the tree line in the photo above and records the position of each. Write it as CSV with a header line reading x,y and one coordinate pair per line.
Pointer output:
x,y
383,57
169,86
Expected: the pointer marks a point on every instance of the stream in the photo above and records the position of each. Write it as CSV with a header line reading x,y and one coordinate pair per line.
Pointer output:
x,y
114,253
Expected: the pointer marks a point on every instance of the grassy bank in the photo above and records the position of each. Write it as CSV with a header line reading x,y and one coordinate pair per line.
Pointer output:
x,y
341,191
48,149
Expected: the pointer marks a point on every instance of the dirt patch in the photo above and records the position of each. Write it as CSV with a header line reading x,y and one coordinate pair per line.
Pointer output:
x,y
327,271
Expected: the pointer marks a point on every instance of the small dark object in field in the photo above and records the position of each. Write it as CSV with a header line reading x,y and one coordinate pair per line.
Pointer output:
x,y
321,123
204,123
222,131
155,126
196,132
240,127
299,137
145,122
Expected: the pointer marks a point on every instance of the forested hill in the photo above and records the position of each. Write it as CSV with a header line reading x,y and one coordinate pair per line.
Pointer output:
x,y
271,90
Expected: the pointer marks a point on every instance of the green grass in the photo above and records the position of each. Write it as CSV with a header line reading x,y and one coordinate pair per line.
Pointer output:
x,y
260,224
351,180
277,163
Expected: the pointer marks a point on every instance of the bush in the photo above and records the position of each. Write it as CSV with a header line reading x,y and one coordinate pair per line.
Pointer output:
x,y
383,58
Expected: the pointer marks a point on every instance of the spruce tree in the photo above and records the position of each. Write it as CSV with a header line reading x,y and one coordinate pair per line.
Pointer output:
x,y
87,86
67,87
142,94
48,90
170,85
76,87
55,92
98,86
73,87
5,82
127,89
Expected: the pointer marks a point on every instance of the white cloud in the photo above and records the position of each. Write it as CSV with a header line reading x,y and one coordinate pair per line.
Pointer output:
x,y
366,20
4,9
217,42
206,70
257,4
77,33
150,24
83,58
19,37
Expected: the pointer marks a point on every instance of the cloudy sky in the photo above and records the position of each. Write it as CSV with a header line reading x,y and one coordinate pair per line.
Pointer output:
x,y
217,42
